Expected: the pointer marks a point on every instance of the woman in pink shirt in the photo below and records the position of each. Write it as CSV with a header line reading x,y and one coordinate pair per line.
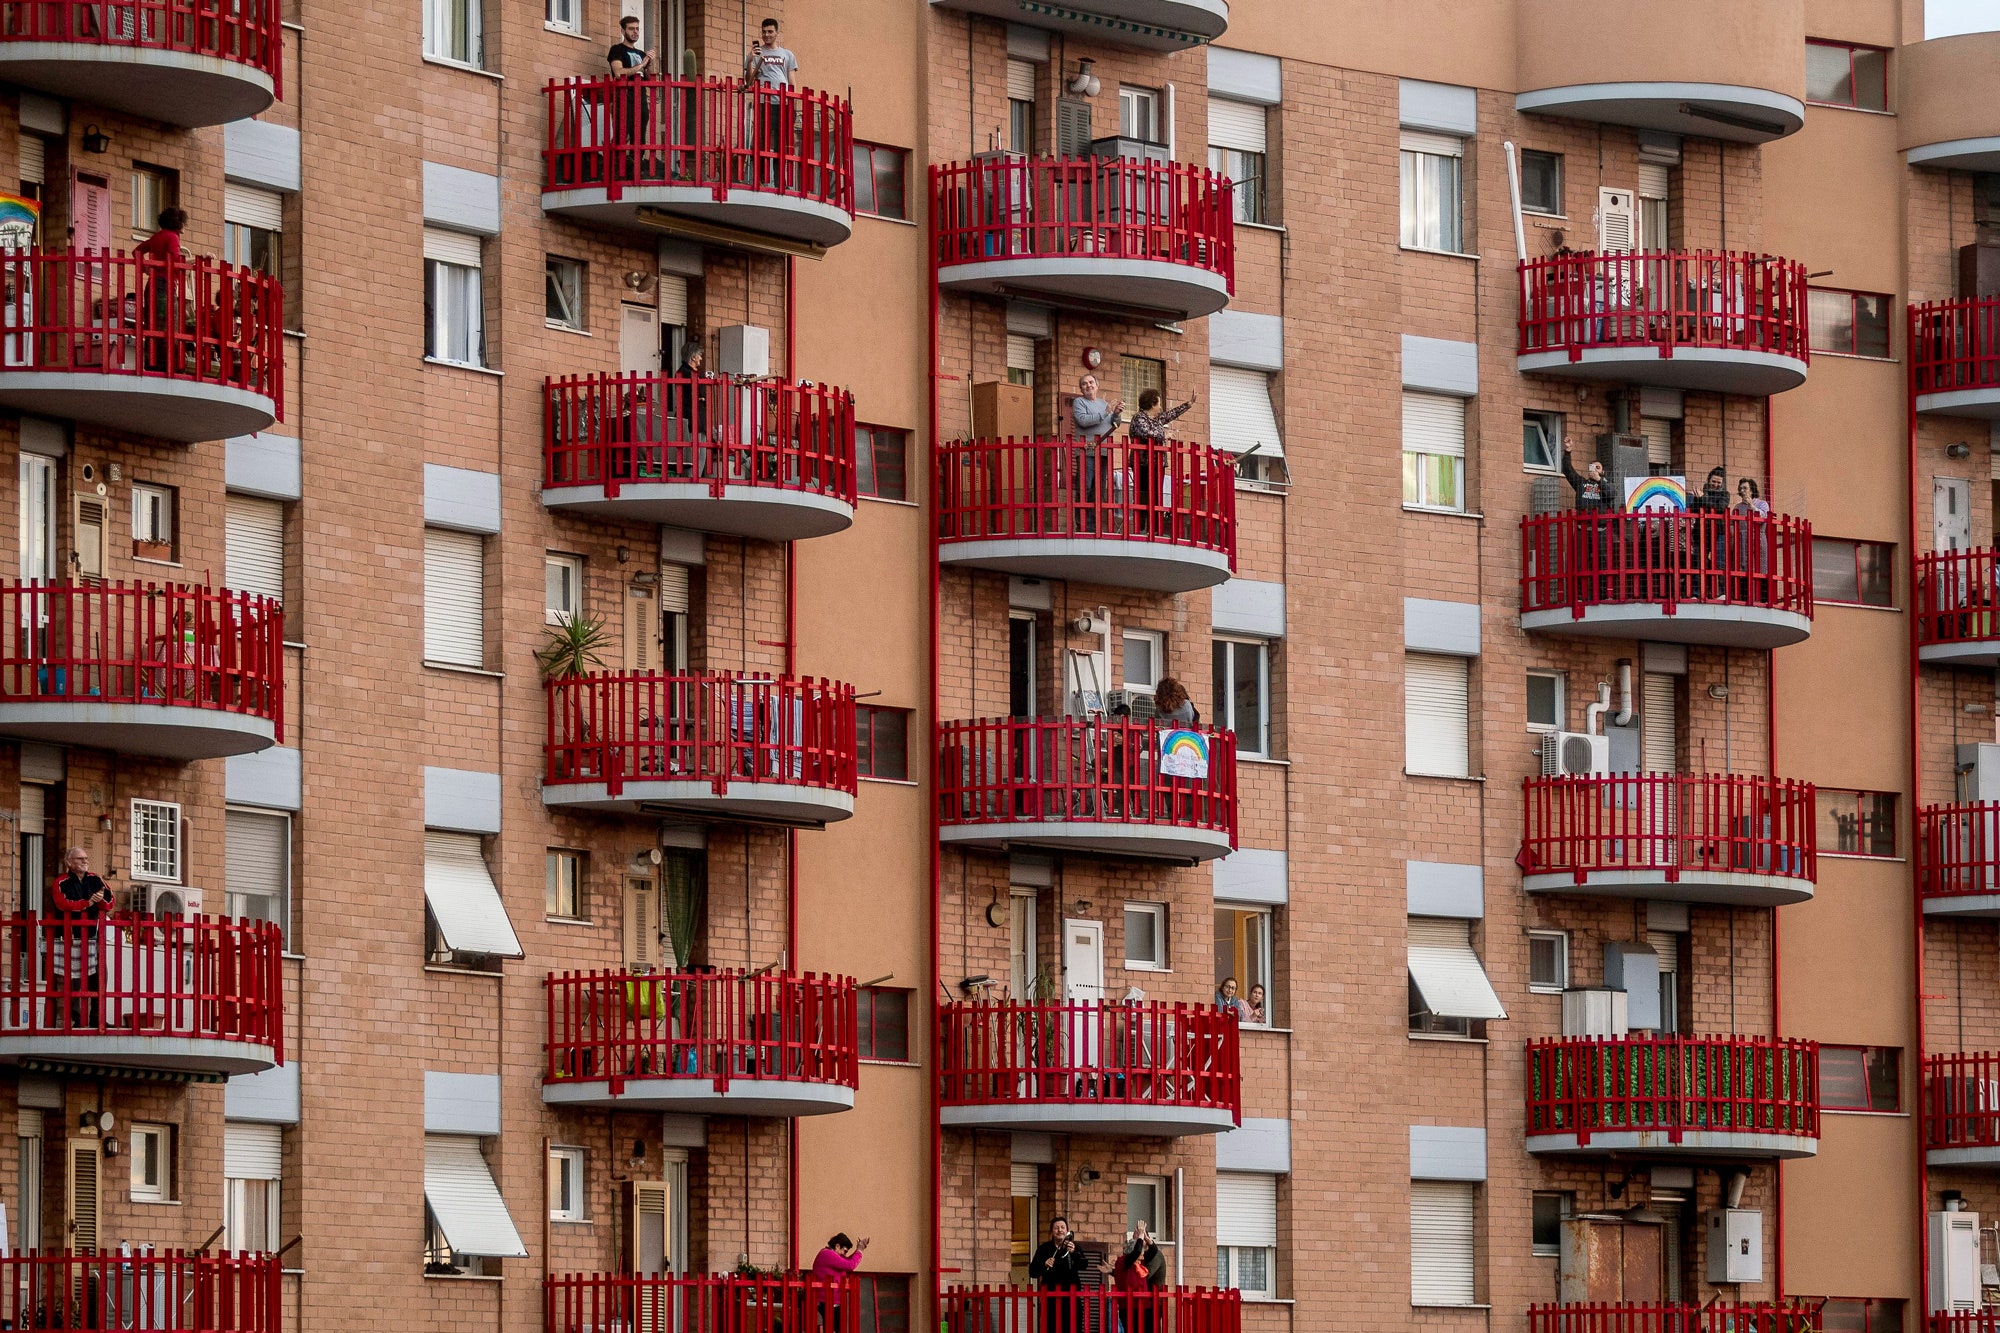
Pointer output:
x,y
830,1271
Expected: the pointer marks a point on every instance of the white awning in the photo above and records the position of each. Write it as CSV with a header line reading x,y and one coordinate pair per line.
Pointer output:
x,y
463,898
1447,972
465,1201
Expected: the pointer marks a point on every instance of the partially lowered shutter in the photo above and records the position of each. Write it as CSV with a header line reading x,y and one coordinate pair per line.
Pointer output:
x,y
673,300
252,1152
465,1201
451,247
1436,729
1658,433
1021,355
1246,1209
1440,1243
1658,724
1653,178
463,899
256,862
1437,145
1240,414
1447,972
1238,125
253,545
673,588
250,207
1025,1178
34,159
454,598
1433,423
1020,81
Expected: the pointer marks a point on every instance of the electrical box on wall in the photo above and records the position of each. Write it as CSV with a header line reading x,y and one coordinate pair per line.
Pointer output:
x,y
744,350
1954,1284
1735,1245
1978,772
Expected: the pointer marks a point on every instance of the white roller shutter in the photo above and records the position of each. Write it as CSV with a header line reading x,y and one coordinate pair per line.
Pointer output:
x,y
1667,945
1026,1179
454,598
1441,1243
1993,465
451,247
673,589
1657,724
250,207
465,1201
1246,1209
1020,81
1438,145
1447,972
1021,355
463,899
1653,177
1433,423
34,808
257,853
253,545
1658,433
252,1152
673,300
34,159
1240,415
1238,125
1436,728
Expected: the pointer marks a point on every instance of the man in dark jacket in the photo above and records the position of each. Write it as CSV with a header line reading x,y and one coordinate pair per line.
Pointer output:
x,y
76,900
1057,1267
1593,488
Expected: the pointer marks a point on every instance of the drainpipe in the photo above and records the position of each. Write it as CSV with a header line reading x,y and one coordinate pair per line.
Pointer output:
x,y
1593,713
1624,714
1777,971
1915,702
931,846
791,835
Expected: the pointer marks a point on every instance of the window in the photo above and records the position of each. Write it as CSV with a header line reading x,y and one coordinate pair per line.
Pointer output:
x,y
1144,651
885,1302
882,739
878,459
253,545
566,1185
1441,1230
152,1149
1655,181
29,1148
563,577
563,893
1860,1078
565,295
1548,961
1242,682
1246,1231
1849,323
465,1219
1546,710
1146,936
454,598
563,15
1541,182
156,841
257,866
884,1023
1839,74
1136,374
1242,420
1857,823
1437,728
1448,986
1542,441
465,923
454,304
253,1158
154,189
1237,146
1021,361
1243,951
1433,451
1020,106
878,180
253,236
1859,573
153,522
1146,1201
1139,114
451,31
38,517
1432,209
1550,1208
1859,1315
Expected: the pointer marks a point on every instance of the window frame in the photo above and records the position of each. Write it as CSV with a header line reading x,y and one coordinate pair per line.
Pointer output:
x,y
1559,679
446,22
1156,643
867,200
565,1205
1450,219
1560,938
1560,210
1229,1270
1540,417
869,1026
1224,694
1867,1081
170,811
1162,961
284,894
164,520
553,890
572,25
164,189
1425,502
553,266
867,470
1152,102
1854,296
440,331
1264,939
1863,822
1244,168
162,1189
1160,1221
1565,1205
867,746
574,565
1889,563
1853,81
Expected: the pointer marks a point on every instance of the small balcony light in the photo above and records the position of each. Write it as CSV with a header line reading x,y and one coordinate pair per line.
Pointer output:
x,y
95,140
1960,449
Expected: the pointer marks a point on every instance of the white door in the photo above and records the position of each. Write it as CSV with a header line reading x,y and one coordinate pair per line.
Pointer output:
x,y
639,340
1083,960
1021,967
38,517
1951,513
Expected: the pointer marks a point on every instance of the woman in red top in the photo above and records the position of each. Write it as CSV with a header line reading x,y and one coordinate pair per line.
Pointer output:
x,y
829,1273
158,255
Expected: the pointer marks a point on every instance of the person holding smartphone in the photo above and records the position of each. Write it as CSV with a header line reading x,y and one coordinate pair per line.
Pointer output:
x,y
1058,1269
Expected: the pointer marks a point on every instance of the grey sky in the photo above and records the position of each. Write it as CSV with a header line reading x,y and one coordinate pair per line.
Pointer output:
x,y
1946,18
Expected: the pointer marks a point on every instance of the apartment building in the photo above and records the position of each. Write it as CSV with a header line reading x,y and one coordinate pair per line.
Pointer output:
x,y
930,790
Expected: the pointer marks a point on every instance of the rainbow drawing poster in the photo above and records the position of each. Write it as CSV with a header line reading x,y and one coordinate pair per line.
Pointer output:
x,y
1183,754
1656,495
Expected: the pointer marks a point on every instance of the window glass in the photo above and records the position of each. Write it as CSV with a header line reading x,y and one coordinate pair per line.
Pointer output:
x,y
1838,74
1545,701
1431,207
564,896
1243,952
1548,960
878,181
1849,323
1860,1078
1139,114
884,1023
456,316
1541,182
1241,681
1246,172
565,292
1541,441
1142,661
882,742
1549,1210
1862,573
1857,823
1145,935
878,461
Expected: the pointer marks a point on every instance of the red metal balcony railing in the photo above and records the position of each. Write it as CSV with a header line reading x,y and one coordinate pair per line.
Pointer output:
x,y
190,978
196,320
699,1303
1163,494
1674,823
716,1026
1962,1100
1581,559
1084,208
1718,1317
1034,770
1027,1310
1955,346
246,33
165,645
1958,850
622,727
618,430
1735,1085
1972,1321
1958,596
1664,300
165,1291
1142,1053
721,135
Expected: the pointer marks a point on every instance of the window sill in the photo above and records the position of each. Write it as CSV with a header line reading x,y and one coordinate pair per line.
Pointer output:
x,y
1443,254
572,1221
1263,760
462,972
888,782
554,327
1858,856
1277,488
443,62
155,1203
163,564
891,1064
1855,606
1265,1027
1248,1299
560,31
300,334
1444,513
1856,356
1277,227
1450,1038
1843,106
1155,968
1855,1110
890,500
878,217
567,921
1546,217
1418,1305
1446,777
461,1277
458,670
299,644
289,957
460,365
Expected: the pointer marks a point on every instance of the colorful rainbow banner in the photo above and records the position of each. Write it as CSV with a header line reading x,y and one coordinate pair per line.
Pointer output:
x,y
1183,754
18,219
1656,495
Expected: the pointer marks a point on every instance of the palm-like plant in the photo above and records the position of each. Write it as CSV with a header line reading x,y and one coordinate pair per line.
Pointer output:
x,y
574,647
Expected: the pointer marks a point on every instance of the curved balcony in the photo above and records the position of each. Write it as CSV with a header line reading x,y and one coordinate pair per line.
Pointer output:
x,y
1141,25
1958,859
165,670
1716,322
759,749
1030,1310
719,1043
1962,1109
1140,1068
1147,238
1936,124
1955,357
772,461
186,64
1727,839
696,1302
1719,579
715,153
1674,1096
119,1291
1084,785
1971,1321
1709,68
1957,596
183,350
1714,1317
1127,514
186,995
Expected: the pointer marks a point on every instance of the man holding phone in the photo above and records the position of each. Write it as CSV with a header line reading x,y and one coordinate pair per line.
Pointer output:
x,y
1057,1267
769,68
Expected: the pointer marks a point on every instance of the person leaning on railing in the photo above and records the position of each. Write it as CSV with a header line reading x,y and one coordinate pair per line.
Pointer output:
x,y
77,900
1149,440
831,1269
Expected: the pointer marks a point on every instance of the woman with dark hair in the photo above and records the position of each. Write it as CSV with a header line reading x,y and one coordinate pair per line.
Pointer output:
x,y
1150,459
1171,703
830,1272
1753,538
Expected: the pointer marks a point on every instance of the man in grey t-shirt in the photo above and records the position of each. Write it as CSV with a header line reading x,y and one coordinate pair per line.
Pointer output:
x,y
769,68
769,65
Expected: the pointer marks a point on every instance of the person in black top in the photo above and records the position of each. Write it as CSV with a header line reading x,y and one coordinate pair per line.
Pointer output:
x,y
1057,1267
632,104
628,59
76,900
1593,488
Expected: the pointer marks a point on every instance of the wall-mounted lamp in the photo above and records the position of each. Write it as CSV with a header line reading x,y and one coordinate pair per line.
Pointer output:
x,y
1718,691
1085,83
1959,449
1083,904
95,140
973,985
1087,1177
624,554
641,282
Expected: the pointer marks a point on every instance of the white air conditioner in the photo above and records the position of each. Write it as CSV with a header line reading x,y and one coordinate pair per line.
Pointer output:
x,y
1574,754
1954,1285
1594,1013
167,900
1138,702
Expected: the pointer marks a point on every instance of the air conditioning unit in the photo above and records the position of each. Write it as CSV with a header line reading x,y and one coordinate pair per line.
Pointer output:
x,y
1594,1012
1954,1285
1574,754
167,900
1138,702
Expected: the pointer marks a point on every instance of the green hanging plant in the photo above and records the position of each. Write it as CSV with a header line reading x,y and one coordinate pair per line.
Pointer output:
x,y
574,648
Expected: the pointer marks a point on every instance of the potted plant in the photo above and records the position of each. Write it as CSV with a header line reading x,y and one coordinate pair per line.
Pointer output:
x,y
574,647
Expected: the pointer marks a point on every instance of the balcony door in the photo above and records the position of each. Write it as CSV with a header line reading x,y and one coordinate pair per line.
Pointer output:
x,y
1021,966
1951,514
1083,961
639,340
